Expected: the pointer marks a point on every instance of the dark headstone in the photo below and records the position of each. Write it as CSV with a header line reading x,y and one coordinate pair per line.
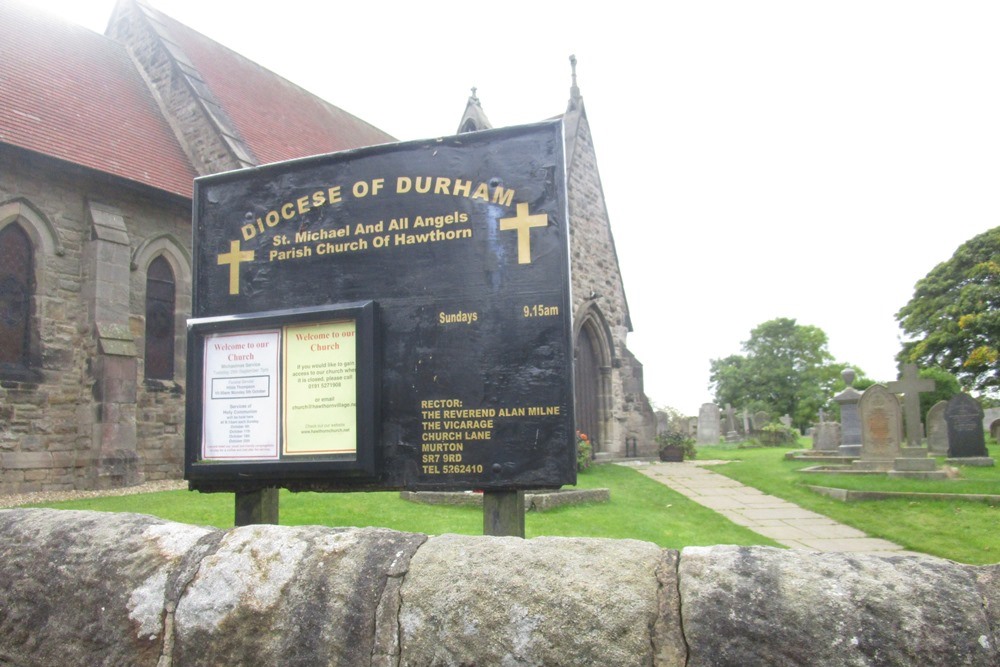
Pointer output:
x,y
965,427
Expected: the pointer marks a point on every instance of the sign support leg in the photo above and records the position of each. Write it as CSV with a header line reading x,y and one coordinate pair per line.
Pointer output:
x,y
503,513
257,506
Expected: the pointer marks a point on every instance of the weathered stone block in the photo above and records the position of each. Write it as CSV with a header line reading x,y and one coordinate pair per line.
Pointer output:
x,y
85,589
271,595
493,601
764,606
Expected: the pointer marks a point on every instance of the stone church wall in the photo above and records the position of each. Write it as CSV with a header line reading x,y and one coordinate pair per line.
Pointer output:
x,y
597,282
58,417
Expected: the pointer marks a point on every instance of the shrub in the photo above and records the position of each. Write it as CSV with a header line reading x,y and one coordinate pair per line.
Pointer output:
x,y
675,439
584,452
775,435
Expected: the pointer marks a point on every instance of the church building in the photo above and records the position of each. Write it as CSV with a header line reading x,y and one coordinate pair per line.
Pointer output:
x,y
101,137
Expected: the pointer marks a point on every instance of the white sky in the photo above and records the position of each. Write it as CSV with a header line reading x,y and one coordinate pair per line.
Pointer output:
x,y
761,159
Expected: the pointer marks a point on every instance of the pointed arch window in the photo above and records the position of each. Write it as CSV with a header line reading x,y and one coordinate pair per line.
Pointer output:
x,y
17,287
161,298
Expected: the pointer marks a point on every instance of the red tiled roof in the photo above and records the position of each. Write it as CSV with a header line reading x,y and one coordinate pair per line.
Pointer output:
x,y
73,94
276,119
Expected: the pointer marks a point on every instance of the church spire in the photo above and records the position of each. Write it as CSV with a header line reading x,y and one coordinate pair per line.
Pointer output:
x,y
474,119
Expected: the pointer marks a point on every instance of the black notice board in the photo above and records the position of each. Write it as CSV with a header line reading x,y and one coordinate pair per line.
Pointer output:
x,y
461,243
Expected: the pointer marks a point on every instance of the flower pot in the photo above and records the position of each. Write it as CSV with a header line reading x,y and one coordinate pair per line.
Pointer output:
x,y
672,453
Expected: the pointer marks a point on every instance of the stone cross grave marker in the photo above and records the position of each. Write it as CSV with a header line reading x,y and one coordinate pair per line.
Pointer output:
x,y
937,429
881,427
965,427
911,386
708,424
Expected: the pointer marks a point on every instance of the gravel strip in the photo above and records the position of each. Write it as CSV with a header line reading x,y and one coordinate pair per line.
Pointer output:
x,y
16,499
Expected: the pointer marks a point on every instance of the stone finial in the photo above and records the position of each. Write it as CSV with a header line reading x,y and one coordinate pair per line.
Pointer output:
x,y
473,97
847,374
574,91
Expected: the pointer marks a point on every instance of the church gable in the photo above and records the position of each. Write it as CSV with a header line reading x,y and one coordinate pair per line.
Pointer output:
x,y
596,273
74,95
229,111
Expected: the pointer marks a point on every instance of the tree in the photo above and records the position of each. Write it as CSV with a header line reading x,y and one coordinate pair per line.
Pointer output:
x,y
945,386
785,369
953,319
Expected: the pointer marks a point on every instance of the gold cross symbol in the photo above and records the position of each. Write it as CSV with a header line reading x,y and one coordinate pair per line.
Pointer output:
x,y
233,258
523,224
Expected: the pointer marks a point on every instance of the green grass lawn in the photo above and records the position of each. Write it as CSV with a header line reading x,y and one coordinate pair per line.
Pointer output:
x,y
963,530
640,508
966,531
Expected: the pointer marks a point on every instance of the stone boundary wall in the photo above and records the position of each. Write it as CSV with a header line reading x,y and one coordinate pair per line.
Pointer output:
x,y
90,588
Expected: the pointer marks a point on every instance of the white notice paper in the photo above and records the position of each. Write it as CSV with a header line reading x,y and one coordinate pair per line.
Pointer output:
x,y
240,415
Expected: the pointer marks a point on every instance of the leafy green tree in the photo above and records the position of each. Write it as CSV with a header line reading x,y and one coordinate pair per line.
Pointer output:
x,y
953,319
945,386
785,369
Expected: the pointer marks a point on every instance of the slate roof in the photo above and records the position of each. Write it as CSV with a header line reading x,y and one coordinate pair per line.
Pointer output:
x,y
75,95
72,94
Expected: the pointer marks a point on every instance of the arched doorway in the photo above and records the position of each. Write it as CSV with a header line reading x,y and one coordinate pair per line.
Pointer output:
x,y
592,382
587,381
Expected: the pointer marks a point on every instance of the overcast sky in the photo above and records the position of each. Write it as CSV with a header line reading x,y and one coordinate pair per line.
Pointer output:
x,y
760,159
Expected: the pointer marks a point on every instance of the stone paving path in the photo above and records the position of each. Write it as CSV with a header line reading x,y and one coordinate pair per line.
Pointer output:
x,y
780,520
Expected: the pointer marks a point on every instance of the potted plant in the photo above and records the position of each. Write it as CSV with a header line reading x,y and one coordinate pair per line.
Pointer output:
x,y
674,446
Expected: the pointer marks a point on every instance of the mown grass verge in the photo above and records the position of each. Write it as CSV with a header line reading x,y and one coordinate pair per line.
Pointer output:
x,y
640,508
963,530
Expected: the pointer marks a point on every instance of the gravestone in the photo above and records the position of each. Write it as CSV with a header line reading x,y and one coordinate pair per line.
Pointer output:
x,y
827,437
911,386
850,420
746,423
990,417
760,420
913,460
731,434
881,428
784,419
708,424
965,427
937,429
